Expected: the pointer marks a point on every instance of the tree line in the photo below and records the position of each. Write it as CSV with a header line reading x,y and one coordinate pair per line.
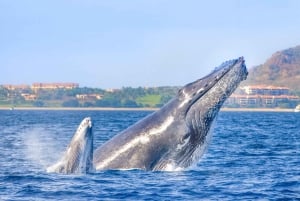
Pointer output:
x,y
124,97
128,97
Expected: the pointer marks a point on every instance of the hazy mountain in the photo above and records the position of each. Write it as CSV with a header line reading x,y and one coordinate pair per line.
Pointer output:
x,y
282,69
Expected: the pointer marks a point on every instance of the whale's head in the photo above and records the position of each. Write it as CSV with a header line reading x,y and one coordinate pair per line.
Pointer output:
x,y
78,157
212,90
198,104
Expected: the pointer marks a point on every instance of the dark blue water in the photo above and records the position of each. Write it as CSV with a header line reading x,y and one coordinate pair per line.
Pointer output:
x,y
252,156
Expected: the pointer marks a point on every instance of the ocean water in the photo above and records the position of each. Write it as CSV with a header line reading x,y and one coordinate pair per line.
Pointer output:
x,y
252,156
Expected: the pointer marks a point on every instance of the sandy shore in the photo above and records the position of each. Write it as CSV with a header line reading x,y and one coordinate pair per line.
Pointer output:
x,y
143,109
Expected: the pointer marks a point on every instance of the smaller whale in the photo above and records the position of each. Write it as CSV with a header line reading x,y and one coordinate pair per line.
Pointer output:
x,y
78,157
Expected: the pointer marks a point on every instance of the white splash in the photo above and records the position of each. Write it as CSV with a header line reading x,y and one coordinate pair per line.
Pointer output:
x,y
170,167
39,147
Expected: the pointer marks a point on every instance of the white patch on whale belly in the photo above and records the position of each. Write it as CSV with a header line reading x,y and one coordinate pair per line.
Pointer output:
x,y
162,127
144,138
187,98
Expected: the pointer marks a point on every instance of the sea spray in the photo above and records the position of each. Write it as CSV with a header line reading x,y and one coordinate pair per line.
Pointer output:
x,y
41,147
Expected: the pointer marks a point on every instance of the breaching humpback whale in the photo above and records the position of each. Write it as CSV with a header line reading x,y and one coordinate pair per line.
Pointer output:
x,y
174,137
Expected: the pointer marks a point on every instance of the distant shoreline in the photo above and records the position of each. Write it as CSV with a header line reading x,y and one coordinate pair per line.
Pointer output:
x,y
141,109
80,108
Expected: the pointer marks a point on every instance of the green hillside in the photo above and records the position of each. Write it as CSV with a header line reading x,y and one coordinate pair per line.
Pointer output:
x,y
282,69
149,100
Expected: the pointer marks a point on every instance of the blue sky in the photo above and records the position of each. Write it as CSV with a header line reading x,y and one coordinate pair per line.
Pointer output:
x,y
116,43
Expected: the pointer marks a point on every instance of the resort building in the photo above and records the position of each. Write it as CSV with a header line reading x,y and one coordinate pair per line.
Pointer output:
x,y
51,86
89,97
259,100
261,96
16,86
265,90
29,97
112,90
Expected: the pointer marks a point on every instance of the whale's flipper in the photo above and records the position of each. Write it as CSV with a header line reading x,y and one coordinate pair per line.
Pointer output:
x,y
78,158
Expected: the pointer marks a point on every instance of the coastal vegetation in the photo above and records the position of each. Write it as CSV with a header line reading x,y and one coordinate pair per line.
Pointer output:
x,y
127,97
88,97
